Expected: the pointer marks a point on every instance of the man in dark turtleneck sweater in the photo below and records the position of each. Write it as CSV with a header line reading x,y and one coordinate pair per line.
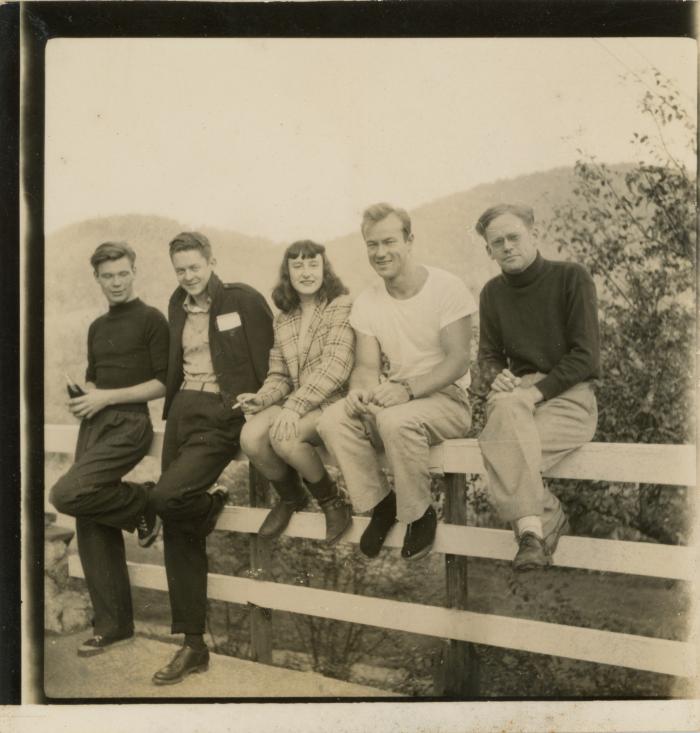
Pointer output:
x,y
127,367
538,354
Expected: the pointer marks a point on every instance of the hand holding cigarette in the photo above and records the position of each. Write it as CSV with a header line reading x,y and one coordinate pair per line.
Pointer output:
x,y
248,402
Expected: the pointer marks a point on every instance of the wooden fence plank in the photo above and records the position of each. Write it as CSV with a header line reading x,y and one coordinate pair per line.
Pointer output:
x,y
648,559
605,647
673,465
611,462
617,556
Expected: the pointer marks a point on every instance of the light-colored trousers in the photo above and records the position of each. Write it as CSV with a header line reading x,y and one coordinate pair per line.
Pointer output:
x,y
518,443
406,433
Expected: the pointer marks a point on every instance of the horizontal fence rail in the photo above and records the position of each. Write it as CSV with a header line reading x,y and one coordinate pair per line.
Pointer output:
x,y
610,462
673,465
616,556
590,645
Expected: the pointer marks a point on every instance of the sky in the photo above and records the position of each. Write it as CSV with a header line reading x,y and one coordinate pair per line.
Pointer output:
x,y
293,138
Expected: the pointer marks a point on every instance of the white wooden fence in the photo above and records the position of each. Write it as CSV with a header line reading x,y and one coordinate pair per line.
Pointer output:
x,y
654,464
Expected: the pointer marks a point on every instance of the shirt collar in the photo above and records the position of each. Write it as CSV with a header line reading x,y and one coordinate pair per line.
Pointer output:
x,y
191,306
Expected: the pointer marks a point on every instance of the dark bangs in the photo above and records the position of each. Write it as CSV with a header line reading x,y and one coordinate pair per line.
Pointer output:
x,y
306,248
285,297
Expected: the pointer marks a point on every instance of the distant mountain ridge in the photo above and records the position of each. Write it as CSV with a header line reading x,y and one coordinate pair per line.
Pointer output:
x,y
444,231
444,237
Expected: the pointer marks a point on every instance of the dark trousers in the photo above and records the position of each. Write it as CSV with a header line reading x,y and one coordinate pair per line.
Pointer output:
x,y
109,445
201,438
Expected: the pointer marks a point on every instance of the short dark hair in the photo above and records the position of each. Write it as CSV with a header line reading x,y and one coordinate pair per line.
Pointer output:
x,y
524,213
285,297
191,240
377,212
109,251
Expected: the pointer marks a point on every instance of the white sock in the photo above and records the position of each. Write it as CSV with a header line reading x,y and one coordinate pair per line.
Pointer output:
x,y
531,523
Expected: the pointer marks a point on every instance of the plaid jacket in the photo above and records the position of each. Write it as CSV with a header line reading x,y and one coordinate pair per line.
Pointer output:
x,y
320,376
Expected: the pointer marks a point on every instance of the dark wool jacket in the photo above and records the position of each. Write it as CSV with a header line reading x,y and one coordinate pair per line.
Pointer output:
x,y
239,355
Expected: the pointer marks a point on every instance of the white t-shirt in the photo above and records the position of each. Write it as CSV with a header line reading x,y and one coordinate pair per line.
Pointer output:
x,y
408,330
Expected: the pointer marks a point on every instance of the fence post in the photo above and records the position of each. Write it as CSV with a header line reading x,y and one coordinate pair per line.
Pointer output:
x,y
260,566
458,671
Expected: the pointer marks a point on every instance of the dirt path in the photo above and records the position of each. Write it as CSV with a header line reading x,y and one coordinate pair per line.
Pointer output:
x,y
125,672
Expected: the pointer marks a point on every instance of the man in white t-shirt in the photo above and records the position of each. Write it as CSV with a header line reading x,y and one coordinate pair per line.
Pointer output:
x,y
408,386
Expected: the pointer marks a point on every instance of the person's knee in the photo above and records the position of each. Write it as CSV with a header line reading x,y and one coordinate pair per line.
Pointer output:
x,y
160,496
63,493
253,438
393,425
504,399
285,449
503,404
332,421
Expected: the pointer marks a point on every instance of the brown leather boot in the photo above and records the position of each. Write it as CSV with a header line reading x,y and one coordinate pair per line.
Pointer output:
x,y
293,498
337,511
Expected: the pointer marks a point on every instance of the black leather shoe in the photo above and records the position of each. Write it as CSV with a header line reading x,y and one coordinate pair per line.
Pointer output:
x,y
532,553
338,518
278,517
561,527
98,644
148,524
219,495
186,661
383,519
420,536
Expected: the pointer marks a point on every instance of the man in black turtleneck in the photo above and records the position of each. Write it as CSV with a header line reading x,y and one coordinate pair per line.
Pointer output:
x,y
127,366
538,354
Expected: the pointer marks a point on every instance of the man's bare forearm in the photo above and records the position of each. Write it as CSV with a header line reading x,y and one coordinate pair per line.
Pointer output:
x,y
363,377
447,372
144,392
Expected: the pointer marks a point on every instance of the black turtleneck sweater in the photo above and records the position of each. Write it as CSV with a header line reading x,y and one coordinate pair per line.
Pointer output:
x,y
128,345
544,319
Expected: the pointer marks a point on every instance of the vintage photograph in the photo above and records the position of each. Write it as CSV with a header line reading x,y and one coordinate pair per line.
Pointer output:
x,y
369,369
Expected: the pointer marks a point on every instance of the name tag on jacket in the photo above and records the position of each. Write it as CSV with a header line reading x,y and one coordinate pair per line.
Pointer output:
x,y
227,321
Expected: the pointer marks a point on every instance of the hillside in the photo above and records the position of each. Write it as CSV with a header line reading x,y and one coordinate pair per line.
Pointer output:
x,y
444,231
69,285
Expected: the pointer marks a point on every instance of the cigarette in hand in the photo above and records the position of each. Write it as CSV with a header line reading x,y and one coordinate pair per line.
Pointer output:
x,y
242,402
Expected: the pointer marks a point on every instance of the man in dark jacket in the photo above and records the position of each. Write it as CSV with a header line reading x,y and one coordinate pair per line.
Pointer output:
x,y
220,338
539,355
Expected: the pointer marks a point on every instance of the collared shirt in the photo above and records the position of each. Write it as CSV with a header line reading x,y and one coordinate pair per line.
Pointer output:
x,y
196,355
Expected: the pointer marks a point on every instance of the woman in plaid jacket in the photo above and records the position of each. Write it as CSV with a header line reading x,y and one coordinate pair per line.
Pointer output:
x,y
310,364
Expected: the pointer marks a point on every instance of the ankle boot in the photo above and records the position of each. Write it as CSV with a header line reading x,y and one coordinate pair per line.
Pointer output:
x,y
292,499
337,511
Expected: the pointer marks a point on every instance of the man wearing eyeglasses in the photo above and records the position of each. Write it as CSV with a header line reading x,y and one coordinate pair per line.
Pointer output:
x,y
538,355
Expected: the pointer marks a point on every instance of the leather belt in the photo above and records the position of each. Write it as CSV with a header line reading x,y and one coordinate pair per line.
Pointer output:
x,y
212,387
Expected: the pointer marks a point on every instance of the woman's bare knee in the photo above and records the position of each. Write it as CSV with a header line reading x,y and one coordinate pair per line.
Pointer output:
x,y
254,438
